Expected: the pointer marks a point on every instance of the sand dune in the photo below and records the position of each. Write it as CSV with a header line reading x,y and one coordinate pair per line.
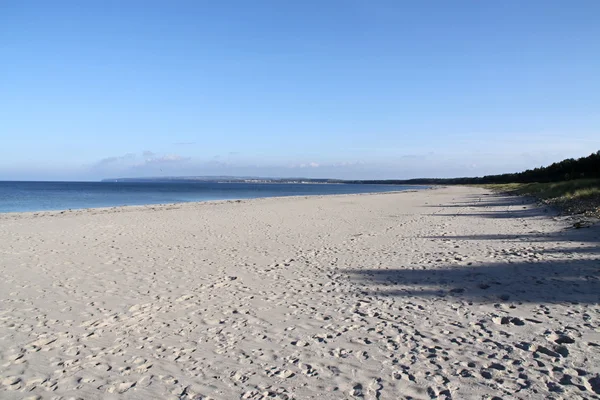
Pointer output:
x,y
438,294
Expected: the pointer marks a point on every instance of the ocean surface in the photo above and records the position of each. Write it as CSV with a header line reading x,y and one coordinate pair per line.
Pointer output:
x,y
43,196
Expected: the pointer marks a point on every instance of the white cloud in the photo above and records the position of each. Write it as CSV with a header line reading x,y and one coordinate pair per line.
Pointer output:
x,y
130,162
116,160
311,164
340,164
168,158
401,165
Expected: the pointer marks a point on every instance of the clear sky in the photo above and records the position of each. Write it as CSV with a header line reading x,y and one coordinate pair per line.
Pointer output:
x,y
327,88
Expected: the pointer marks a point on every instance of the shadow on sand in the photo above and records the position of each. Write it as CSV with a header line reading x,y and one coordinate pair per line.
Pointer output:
x,y
495,206
561,273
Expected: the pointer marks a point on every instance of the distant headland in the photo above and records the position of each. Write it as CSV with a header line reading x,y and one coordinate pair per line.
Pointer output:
x,y
223,179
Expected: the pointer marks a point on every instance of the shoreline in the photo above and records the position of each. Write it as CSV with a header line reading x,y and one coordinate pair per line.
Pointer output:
x,y
448,292
159,206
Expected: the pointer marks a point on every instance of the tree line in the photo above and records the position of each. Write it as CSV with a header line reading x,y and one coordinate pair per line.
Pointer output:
x,y
569,169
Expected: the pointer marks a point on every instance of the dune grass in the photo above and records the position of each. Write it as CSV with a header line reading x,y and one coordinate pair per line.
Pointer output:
x,y
581,196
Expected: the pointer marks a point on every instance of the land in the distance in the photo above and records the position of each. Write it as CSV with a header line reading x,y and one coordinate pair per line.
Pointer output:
x,y
224,179
572,186
569,169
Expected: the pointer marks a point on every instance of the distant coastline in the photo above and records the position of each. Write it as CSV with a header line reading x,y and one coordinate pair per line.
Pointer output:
x,y
566,170
263,180
223,179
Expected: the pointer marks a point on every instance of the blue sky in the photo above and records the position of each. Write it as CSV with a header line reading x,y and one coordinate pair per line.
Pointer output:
x,y
346,89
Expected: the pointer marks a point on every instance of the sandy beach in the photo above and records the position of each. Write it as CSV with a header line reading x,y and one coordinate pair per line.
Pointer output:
x,y
452,293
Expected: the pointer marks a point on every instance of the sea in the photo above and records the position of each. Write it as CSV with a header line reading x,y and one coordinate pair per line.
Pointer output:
x,y
46,196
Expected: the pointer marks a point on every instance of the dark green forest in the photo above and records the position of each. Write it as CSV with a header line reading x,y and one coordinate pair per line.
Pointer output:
x,y
566,170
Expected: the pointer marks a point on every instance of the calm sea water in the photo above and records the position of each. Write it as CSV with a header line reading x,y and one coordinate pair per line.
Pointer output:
x,y
39,196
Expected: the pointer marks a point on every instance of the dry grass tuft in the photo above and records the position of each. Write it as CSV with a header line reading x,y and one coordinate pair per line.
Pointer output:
x,y
581,196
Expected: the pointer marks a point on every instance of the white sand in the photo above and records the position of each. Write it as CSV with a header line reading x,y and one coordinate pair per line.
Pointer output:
x,y
448,293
